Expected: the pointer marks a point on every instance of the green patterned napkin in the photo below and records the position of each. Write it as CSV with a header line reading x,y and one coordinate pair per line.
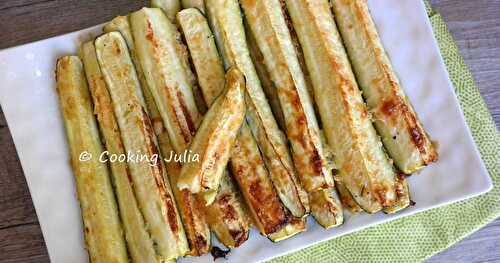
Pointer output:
x,y
414,238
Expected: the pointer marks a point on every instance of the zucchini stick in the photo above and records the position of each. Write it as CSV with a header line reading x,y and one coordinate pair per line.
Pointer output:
x,y
198,4
345,197
171,10
101,222
396,122
225,19
206,60
253,179
139,242
152,190
402,195
156,47
192,215
358,152
227,216
230,221
215,138
265,79
269,214
209,66
169,7
267,25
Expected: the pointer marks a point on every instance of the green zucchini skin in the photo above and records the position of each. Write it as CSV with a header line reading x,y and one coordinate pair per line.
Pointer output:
x,y
395,120
101,221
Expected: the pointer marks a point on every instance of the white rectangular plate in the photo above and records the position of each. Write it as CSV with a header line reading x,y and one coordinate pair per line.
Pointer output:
x,y
30,104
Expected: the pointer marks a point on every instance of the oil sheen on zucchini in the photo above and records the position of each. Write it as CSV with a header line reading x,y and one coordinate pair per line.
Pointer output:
x,y
152,191
401,131
246,161
190,209
359,155
226,23
101,222
268,26
232,215
140,244
215,138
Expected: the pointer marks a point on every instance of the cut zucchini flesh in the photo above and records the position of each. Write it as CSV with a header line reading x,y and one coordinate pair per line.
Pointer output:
x,y
193,219
226,22
198,4
206,60
268,27
215,138
358,152
395,120
169,7
326,207
227,216
157,49
345,197
402,195
233,223
152,191
257,189
265,79
294,227
101,222
140,244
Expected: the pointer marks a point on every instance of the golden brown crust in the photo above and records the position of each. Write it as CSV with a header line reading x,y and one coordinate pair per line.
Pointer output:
x,y
401,131
153,192
101,223
362,162
257,189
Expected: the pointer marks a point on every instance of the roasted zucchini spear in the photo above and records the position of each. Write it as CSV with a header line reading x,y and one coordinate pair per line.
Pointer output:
x,y
156,46
207,62
234,222
268,26
346,198
152,191
269,214
204,55
396,122
226,22
358,152
198,4
140,244
190,209
101,222
265,79
170,7
227,216
215,138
